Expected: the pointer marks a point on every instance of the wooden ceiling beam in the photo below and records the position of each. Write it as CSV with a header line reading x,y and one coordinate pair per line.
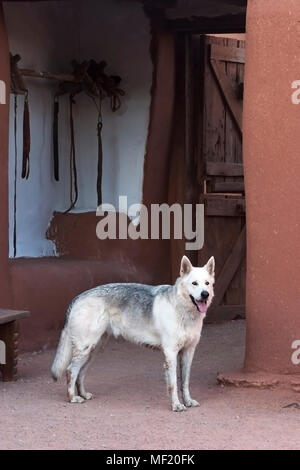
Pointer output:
x,y
206,25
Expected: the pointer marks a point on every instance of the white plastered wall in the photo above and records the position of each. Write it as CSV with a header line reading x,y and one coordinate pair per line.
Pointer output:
x,y
48,35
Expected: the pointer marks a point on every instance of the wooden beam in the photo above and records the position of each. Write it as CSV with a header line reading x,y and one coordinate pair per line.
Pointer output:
x,y
228,54
230,267
224,206
63,77
160,3
227,186
205,25
240,3
224,169
235,106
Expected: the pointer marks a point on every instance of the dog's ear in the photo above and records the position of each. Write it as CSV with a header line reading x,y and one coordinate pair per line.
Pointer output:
x,y
186,266
210,266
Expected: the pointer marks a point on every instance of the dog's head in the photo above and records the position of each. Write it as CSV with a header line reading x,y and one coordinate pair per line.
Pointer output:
x,y
198,283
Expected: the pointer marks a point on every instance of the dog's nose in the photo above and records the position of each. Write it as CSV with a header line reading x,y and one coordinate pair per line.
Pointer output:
x,y
204,294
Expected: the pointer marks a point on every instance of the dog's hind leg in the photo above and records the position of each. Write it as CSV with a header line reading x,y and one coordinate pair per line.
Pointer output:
x,y
73,371
87,324
76,373
80,379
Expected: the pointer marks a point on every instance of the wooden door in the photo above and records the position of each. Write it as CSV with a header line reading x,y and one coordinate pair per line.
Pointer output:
x,y
220,173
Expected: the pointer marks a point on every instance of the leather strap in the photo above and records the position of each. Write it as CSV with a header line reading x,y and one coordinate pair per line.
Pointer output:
x,y
55,138
15,177
100,162
26,139
73,168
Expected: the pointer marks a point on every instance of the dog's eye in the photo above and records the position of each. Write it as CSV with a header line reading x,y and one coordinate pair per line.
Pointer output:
x,y
207,283
195,283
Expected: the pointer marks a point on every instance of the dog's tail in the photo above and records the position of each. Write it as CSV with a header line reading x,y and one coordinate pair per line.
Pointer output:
x,y
63,355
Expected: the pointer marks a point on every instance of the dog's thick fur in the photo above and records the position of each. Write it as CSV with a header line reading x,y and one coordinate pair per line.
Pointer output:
x,y
167,317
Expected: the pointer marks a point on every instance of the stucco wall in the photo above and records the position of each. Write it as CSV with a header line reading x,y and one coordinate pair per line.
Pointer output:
x,y
48,35
272,169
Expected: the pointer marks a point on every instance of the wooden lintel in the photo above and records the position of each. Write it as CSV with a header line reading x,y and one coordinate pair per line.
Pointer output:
x,y
205,25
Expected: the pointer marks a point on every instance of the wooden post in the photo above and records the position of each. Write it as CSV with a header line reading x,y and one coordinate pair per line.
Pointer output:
x,y
9,334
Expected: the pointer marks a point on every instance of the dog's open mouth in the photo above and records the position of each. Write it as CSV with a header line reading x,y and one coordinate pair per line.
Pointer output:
x,y
200,304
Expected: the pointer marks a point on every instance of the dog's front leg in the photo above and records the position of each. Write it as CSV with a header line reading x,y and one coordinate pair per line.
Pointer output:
x,y
186,362
171,377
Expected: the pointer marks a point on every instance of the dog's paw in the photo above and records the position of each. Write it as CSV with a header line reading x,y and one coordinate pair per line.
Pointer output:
x,y
189,403
77,399
178,407
87,396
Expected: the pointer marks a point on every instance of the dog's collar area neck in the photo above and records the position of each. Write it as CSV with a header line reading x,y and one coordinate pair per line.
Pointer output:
x,y
194,302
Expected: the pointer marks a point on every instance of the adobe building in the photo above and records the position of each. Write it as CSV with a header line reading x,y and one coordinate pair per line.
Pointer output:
x,y
200,121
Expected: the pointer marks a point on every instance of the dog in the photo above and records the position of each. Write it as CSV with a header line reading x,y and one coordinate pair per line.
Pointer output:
x,y
166,317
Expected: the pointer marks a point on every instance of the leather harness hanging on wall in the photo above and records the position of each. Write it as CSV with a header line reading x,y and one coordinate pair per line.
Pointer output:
x,y
81,83
107,86
18,88
55,138
89,77
26,139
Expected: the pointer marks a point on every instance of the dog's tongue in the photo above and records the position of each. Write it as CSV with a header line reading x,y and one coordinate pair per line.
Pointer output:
x,y
201,305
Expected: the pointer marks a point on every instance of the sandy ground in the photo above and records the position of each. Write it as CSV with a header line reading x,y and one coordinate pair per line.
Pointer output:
x,y
131,410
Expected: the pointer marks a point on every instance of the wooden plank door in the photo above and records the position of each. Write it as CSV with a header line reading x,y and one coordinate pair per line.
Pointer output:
x,y
220,173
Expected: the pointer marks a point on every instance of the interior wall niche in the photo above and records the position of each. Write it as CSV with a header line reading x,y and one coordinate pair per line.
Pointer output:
x,y
77,30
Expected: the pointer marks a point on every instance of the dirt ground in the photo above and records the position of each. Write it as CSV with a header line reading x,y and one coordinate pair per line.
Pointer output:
x,y
131,410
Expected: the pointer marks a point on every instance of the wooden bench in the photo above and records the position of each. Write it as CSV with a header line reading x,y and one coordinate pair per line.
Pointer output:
x,y
9,335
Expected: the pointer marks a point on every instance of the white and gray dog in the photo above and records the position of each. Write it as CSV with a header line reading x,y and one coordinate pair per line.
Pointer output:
x,y
165,317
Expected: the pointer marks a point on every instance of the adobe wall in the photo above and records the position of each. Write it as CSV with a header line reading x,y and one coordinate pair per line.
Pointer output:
x,y
5,297
272,169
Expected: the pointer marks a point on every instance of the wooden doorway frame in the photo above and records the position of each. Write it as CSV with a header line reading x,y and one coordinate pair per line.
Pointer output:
x,y
187,37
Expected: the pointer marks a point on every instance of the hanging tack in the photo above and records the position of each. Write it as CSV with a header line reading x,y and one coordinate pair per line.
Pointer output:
x,y
89,77
55,137
17,84
26,139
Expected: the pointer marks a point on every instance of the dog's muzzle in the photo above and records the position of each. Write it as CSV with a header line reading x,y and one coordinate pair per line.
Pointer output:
x,y
201,304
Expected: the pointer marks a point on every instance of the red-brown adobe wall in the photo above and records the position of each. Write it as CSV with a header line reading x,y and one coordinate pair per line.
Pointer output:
x,y
272,174
5,294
